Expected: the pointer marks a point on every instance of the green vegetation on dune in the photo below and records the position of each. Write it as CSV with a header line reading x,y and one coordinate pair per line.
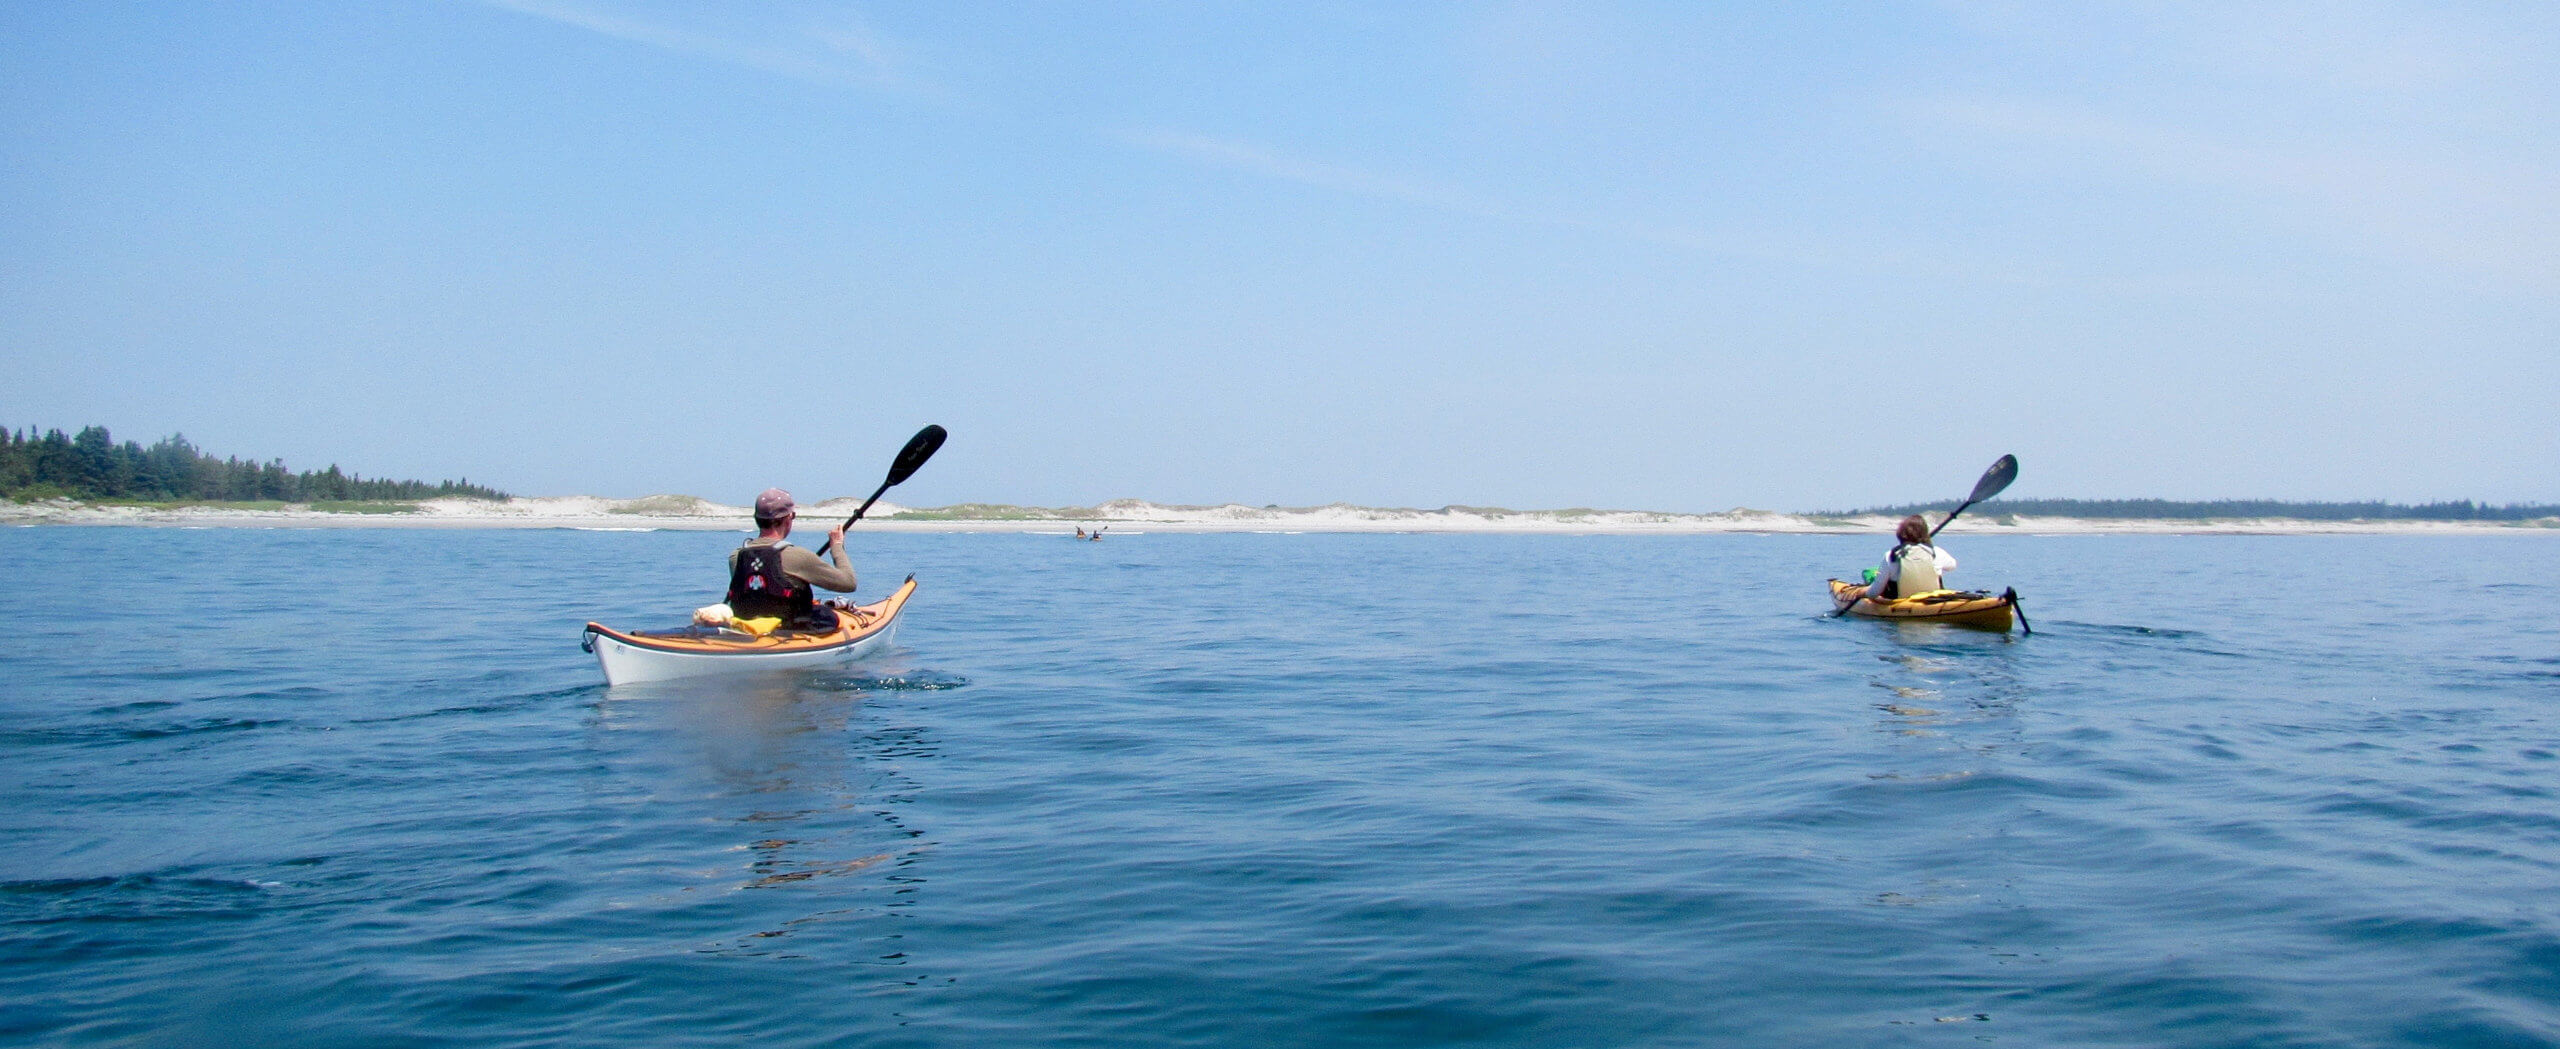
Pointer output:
x,y
191,504
995,512
328,506
364,506
91,466
661,504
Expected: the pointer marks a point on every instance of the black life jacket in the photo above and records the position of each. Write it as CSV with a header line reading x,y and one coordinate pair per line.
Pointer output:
x,y
758,587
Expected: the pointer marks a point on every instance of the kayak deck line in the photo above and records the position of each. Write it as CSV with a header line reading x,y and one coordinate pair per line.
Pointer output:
x,y
643,655
721,641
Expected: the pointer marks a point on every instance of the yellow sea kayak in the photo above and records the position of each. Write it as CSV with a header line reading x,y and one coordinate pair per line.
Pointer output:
x,y
1970,608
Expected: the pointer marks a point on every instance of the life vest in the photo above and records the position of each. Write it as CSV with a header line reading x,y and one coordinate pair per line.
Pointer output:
x,y
759,587
1916,574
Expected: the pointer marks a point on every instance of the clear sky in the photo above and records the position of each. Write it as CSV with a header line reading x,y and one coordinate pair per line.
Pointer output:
x,y
1676,256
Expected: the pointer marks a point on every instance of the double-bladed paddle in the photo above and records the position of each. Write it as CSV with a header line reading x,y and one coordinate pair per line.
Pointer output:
x,y
1993,481
919,448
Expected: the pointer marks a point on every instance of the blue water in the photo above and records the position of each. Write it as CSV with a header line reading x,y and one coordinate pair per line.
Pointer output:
x,y
360,788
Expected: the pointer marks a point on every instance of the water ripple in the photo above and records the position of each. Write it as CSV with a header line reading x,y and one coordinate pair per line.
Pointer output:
x,y
1290,791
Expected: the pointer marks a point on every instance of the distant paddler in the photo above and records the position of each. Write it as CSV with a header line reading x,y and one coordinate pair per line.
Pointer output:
x,y
1912,583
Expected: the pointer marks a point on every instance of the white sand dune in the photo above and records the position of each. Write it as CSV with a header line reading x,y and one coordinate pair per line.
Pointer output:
x,y
689,512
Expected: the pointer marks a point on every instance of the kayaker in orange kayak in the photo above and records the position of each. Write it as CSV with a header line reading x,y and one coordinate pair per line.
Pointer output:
x,y
770,577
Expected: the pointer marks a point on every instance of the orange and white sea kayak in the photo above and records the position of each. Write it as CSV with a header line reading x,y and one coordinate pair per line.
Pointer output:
x,y
659,655
1970,608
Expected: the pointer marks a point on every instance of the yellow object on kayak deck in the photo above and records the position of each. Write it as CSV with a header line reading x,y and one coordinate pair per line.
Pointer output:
x,y
759,626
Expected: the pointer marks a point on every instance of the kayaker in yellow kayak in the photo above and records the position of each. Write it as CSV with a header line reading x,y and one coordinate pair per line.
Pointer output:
x,y
770,577
1914,566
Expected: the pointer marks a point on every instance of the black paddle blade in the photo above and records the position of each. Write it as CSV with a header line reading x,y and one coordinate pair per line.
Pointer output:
x,y
1995,479
920,448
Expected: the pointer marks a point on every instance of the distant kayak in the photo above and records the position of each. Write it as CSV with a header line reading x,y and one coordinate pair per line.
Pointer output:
x,y
1968,608
699,651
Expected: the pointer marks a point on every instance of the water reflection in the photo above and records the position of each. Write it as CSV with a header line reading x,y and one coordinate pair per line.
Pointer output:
x,y
773,788
1948,684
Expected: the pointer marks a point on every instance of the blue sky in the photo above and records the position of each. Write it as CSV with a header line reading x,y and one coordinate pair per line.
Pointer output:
x,y
1673,256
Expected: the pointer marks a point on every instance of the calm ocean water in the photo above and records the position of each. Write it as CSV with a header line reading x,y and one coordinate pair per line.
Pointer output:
x,y
361,788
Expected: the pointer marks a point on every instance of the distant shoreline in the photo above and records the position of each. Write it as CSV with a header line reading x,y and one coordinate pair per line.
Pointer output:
x,y
685,513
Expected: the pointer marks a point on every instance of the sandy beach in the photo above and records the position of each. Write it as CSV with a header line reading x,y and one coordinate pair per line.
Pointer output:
x,y
1132,516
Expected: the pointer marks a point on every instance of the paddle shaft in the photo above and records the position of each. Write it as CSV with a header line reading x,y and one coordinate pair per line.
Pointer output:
x,y
857,515
1994,481
1951,517
919,448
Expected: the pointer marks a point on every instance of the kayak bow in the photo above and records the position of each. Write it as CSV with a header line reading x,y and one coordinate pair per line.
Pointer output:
x,y
659,655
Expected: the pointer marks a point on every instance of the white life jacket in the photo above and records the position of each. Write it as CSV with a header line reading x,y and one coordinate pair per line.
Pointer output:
x,y
1918,573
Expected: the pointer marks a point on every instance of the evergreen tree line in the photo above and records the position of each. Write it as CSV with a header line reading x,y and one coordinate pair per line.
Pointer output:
x,y
91,465
2458,510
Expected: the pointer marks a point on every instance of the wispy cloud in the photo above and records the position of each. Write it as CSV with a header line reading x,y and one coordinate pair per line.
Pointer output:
x,y
1262,160
1435,195
838,52
2395,130
2443,207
